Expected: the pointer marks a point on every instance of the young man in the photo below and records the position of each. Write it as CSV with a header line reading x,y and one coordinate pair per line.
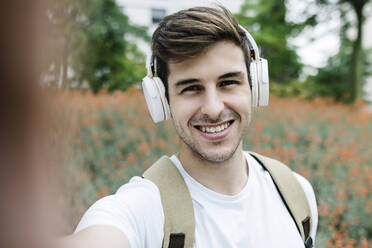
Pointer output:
x,y
203,58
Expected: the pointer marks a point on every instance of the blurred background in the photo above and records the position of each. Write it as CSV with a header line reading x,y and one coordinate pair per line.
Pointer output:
x,y
76,126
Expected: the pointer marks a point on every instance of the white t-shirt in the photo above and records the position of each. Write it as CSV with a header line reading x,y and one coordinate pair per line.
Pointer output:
x,y
256,217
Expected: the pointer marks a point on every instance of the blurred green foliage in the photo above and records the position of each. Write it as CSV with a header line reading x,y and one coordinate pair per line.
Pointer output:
x,y
90,39
343,77
107,59
92,43
266,21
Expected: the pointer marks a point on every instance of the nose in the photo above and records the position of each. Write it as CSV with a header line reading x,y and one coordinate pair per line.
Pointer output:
x,y
212,104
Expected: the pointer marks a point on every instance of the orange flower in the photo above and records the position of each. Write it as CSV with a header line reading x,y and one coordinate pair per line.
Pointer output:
x,y
351,242
363,190
324,210
364,243
131,158
368,206
340,209
304,172
340,194
144,148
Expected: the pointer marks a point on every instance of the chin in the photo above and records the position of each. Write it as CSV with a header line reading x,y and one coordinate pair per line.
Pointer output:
x,y
215,155
213,152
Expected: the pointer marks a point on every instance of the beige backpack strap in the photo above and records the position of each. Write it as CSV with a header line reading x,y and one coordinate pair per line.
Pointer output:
x,y
292,194
179,221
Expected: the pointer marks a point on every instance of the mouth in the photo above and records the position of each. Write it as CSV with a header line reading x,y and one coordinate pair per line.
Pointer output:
x,y
215,128
216,131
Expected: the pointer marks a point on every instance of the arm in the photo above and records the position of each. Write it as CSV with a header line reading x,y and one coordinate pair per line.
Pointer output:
x,y
121,220
98,236
132,217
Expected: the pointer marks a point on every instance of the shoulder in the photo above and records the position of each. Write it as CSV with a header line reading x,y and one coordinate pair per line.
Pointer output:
x,y
306,186
128,210
139,189
135,194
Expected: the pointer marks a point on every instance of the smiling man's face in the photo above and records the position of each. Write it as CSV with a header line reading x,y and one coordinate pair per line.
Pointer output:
x,y
210,101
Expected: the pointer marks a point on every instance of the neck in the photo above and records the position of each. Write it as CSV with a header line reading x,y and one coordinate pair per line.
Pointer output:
x,y
228,177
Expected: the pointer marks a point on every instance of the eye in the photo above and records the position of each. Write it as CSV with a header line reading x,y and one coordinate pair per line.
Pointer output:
x,y
192,88
228,83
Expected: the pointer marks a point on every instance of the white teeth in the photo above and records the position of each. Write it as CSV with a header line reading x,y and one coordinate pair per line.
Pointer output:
x,y
214,129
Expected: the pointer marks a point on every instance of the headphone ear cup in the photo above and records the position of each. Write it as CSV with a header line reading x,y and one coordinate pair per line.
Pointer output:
x,y
263,80
260,82
254,82
157,103
163,99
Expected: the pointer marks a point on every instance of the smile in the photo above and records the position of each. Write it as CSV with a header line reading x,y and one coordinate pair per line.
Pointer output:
x,y
215,132
214,129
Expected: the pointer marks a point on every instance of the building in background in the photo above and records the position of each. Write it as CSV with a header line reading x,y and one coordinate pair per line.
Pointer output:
x,y
150,12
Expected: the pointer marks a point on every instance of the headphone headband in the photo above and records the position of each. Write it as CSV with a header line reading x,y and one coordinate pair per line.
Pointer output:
x,y
149,64
151,59
251,42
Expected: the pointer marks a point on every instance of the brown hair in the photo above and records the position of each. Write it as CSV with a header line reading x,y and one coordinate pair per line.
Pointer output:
x,y
188,33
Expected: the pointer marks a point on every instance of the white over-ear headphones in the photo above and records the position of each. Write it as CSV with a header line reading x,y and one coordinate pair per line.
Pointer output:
x,y
154,91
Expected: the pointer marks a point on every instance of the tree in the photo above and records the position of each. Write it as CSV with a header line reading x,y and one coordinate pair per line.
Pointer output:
x,y
64,23
266,21
90,40
342,77
103,58
355,63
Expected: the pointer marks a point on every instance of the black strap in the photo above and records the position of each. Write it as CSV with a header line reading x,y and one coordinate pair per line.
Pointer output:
x,y
280,194
306,227
305,223
309,242
176,240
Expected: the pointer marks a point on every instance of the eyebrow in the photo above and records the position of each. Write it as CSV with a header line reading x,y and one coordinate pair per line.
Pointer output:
x,y
195,80
231,74
187,81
